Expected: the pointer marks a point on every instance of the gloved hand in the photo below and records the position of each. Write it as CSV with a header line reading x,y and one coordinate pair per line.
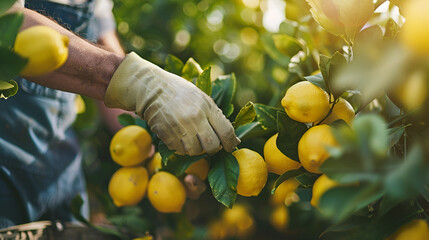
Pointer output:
x,y
184,117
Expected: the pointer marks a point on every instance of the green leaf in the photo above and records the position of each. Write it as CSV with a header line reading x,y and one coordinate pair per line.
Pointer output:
x,y
246,115
223,178
395,134
287,44
410,177
329,66
8,88
273,52
9,27
177,164
340,202
265,123
317,80
285,176
11,64
191,70
204,81
307,179
166,153
373,228
126,119
173,65
5,5
223,91
372,135
290,132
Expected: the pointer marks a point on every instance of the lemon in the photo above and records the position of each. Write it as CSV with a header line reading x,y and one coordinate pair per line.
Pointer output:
x,y
306,102
320,186
199,168
415,32
285,192
279,218
253,172
411,93
239,219
417,229
342,110
154,164
277,162
127,186
166,193
218,230
312,147
45,48
130,146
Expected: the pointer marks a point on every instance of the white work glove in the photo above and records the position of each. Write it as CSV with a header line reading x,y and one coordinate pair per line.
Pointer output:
x,y
184,117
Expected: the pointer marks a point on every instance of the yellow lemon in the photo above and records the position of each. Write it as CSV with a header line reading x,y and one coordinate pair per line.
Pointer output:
x,y
411,93
154,164
285,192
342,110
253,172
127,186
320,186
277,162
166,193
45,48
306,102
417,229
239,219
279,218
130,146
218,230
415,32
199,168
312,147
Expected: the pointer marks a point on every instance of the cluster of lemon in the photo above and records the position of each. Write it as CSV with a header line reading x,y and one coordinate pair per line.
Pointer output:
x,y
130,147
306,103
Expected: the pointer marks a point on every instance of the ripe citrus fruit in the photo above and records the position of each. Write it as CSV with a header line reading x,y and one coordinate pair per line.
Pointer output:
x,y
45,48
410,93
415,32
284,192
306,102
279,218
253,172
342,110
128,185
312,147
320,186
199,168
154,164
277,162
166,193
417,229
239,218
130,146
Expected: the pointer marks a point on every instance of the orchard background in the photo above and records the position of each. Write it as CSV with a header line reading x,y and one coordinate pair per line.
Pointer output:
x,y
246,54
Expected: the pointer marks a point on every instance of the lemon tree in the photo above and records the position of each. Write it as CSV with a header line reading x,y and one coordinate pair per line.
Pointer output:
x,y
356,171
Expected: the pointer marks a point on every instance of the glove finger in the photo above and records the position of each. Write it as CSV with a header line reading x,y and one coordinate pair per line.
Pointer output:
x,y
208,139
224,130
192,145
169,135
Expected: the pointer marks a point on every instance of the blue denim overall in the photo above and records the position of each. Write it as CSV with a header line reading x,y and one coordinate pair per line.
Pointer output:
x,y
40,159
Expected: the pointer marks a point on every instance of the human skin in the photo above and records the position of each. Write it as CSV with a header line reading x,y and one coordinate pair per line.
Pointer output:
x,y
88,68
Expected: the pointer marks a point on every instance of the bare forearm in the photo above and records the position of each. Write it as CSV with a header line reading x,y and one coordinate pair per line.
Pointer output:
x,y
88,68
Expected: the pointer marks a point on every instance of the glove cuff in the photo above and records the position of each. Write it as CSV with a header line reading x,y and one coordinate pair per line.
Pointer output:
x,y
124,85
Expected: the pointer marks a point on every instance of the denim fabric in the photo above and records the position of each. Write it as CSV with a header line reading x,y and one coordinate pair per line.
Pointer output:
x,y
40,160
